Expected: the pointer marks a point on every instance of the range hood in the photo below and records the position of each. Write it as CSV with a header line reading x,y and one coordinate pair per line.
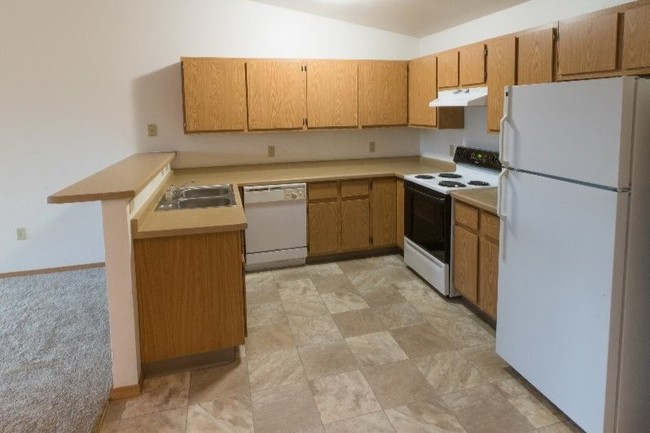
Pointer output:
x,y
469,97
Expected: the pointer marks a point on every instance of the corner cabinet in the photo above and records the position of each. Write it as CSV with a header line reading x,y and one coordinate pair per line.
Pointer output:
x,y
476,256
383,93
502,70
191,295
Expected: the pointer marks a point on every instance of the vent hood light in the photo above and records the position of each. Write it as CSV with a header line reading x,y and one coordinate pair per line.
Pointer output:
x,y
469,97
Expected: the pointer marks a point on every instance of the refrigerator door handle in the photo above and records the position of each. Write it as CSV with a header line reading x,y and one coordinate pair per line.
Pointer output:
x,y
502,216
502,128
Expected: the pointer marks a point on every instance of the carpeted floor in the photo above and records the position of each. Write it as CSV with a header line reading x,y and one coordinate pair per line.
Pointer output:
x,y
55,361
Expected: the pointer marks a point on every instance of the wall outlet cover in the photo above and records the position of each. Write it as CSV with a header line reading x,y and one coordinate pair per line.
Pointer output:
x,y
21,233
271,151
152,130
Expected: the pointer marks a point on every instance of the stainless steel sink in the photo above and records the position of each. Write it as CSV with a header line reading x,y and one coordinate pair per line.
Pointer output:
x,y
196,197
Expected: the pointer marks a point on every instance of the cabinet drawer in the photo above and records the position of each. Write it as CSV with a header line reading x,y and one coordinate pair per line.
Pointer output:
x,y
490,225
354,188
322,190
466,215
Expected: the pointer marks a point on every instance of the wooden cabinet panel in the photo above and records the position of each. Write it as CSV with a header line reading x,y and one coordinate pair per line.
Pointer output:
x,y
320,190
488,277
448,69
399,212
588,45
332,94
472,65
355,224
214,94
636,38
190,297
502,71
383,212
355,188
383,93
423,88
490,225
466,263
323,223
534,57
466,215
276,94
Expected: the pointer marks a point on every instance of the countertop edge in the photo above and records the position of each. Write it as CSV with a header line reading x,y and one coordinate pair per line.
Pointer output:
x,y
483,198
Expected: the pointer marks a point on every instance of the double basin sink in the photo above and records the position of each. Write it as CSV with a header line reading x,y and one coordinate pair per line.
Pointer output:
x,y
196,197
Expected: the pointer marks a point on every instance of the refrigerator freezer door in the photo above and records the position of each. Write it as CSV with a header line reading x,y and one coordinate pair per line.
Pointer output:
x,y
560,292
578,130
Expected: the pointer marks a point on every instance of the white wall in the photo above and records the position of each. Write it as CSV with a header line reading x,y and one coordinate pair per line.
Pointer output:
x,y
530,14
81,79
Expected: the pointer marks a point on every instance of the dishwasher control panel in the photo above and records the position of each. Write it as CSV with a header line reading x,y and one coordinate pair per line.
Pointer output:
x,y
273,193
294,194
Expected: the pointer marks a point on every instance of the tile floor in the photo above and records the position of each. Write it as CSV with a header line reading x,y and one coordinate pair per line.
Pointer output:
x,y
354,346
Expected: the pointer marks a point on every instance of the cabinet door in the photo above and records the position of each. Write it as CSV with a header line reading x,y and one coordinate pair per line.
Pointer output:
x,y
383,93
355,224
472,65
488,275
276,94
534,57
636,38
399,212
501,72
422,90
214,94
448,69
383,212
588,45
465,263
332,94
323,227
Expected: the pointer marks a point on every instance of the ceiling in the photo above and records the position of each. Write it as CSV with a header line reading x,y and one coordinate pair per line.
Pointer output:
x,y
410,17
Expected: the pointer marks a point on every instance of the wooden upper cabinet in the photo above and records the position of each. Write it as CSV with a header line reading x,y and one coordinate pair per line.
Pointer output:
x,y
214,94
502,69
422,90
472,65
534,57
332,94
383,93
276,94
636,38
587,45
448,69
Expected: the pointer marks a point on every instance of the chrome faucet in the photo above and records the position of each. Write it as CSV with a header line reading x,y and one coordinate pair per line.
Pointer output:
x,y
172,190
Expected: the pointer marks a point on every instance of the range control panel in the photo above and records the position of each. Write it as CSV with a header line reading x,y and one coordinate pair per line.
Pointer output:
x,y
477,157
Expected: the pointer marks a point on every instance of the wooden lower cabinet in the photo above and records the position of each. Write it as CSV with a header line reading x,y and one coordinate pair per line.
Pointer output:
x,y
384,219
355,224
399,213
476,256
323,223
190,293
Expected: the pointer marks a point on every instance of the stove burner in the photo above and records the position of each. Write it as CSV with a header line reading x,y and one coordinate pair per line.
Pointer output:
x,y
478,183
450,175
423,176
451,184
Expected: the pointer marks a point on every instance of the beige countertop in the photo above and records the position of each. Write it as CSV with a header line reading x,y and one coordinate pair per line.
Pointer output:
x,y
484,198
148,223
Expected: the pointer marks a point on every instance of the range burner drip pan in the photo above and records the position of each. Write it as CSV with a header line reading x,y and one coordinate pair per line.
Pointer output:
x,y
450,175
451,184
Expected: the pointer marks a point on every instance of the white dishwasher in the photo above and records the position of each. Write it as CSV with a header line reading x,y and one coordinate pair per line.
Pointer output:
x,y
277,225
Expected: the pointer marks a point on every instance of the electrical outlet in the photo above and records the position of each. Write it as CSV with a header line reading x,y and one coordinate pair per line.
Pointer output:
x,y
21,233
152,130
371,147
271,151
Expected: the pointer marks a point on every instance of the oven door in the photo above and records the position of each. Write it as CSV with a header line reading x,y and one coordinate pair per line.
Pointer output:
x,y
427,220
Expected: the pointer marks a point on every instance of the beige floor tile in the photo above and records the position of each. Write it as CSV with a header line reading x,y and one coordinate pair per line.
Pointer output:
x,y
376,296
269,338
389,260
323,269
398,315
169,421
434,309
375,422
289,274
424,416
358,265
327,358
338,302
397,383
369,278
464,332
222,381
375,349
449,372
159,394
284,409
259,279
262,294
537,409
417,289
342,396
225,415
314,329
358,322
398,274
274,369
333,283
487,327
563,427
265,314
484,410
484,358
305,305
291,289
421,340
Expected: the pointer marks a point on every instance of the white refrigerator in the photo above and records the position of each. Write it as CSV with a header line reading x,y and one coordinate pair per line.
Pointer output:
x,y
574,266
